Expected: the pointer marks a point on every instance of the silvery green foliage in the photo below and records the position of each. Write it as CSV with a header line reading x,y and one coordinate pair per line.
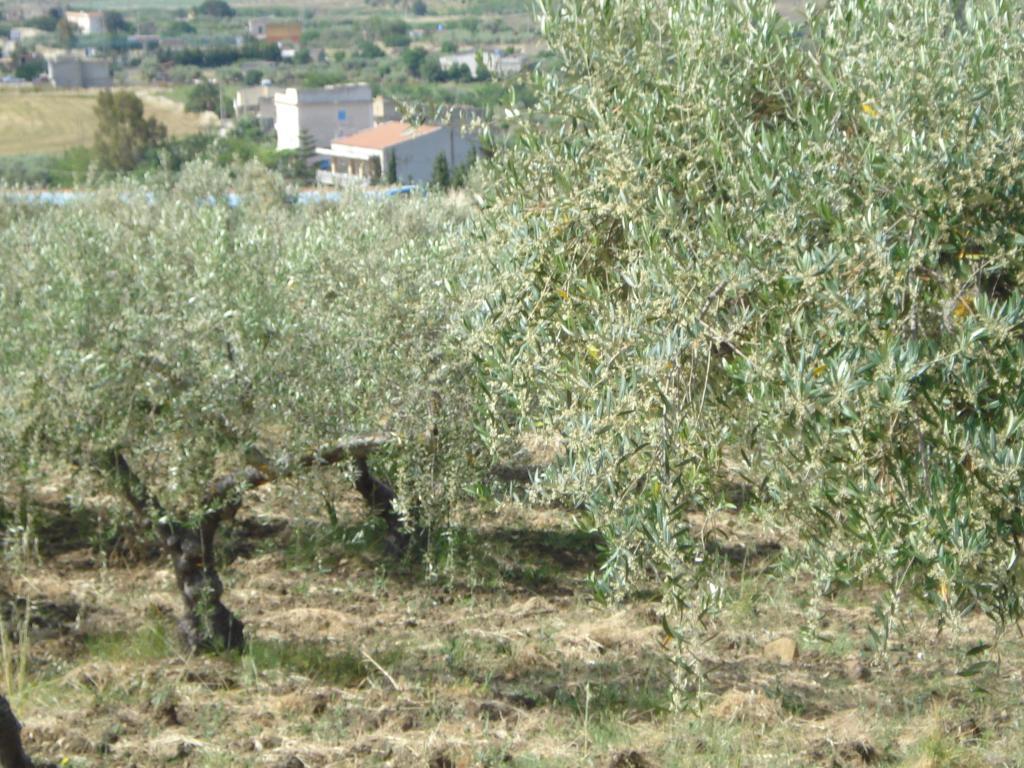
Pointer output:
x,y
743,254
159,319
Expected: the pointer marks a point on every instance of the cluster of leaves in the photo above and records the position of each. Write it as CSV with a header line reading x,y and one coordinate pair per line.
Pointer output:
x,y
184,331
745,258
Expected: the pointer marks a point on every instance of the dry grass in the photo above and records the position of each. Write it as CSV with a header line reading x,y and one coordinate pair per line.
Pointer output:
x,y
357,660
47,121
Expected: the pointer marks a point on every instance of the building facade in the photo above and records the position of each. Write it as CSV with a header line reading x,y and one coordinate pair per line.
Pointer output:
x,y
73,72
88,22
385,110
258,102
276,30
366,156
324,114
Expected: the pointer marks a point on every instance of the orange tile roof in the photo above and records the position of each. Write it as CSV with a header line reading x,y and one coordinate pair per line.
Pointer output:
x,y
385,135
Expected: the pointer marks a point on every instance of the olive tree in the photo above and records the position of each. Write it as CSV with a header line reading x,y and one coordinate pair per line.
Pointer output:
x,y
184,350
744,259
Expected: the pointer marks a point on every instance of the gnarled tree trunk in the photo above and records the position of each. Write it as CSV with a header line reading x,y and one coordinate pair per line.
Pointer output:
x,y
12,754
207,624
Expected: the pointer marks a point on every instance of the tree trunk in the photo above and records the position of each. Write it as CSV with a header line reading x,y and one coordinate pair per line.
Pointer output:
x,y
381,499
12,755
207,624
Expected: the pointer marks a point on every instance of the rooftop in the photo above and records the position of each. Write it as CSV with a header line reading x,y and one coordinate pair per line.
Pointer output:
x,y
385,135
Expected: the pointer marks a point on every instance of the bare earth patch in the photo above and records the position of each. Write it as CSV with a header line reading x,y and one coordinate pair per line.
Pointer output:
x,y
356,659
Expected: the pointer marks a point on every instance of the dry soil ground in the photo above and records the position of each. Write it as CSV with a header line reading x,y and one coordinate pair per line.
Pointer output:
x,y
43,121
356,659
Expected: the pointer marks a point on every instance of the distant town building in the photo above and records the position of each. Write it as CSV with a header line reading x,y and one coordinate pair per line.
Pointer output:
x,y
22,34
499,64
323,114
365,156
88,22
258,102
74,72
276,30
385,110
27,10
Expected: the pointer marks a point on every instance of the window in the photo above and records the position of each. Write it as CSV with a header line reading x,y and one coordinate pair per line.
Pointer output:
x,y
341,114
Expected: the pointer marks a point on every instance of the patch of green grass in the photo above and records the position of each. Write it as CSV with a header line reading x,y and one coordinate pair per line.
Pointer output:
x,y
312,660
151,642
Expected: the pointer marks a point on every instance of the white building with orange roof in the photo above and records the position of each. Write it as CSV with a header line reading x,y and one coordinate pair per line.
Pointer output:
x,y
367,155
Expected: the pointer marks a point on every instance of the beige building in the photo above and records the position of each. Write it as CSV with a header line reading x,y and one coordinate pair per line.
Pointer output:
x,y
73,72
364,157
88,22
324,114
258,102
385,110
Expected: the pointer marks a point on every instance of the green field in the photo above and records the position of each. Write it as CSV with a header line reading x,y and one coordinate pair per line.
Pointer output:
x,y
34,122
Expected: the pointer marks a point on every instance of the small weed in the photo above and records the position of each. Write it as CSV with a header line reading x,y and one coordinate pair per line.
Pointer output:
x,y
311,660
151,642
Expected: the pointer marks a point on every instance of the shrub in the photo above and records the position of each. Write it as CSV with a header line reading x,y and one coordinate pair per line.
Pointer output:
x,y
124,134
742,254
204,97
215,8
184,334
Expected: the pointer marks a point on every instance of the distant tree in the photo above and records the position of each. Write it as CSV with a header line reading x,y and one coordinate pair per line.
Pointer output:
x,y
179,27
375,171
441,176
449,46
432,70
204,97
413,59
419,8
247,127
253,77
149,68
216,8
116,22
461,173
391,176
65,34
482,72
303,56
30,69
370,50
124,134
